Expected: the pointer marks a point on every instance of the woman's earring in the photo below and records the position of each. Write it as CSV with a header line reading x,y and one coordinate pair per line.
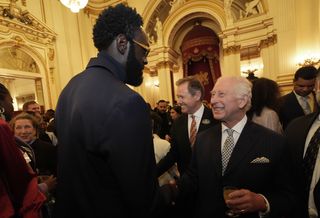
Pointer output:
x,y
2,113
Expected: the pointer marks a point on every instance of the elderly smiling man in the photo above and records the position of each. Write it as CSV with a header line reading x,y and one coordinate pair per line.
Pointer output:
x,y
241,154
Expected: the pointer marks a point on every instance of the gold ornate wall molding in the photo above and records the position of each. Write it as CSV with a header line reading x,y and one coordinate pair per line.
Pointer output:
x,y
24,24
22,31
259,32
95,7
269,41
285,82
234,49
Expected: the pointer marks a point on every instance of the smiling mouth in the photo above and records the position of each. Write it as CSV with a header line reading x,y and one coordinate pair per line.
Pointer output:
x,y
218,108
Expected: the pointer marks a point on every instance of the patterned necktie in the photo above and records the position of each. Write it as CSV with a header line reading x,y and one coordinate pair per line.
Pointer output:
x,y
310,158
227,149
306,106
193,130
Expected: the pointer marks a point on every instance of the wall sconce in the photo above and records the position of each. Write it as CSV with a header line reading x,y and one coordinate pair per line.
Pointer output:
x,y
74,5
249,69
310,62
152,82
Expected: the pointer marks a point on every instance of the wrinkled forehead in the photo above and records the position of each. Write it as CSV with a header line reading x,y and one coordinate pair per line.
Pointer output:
x,y
223,85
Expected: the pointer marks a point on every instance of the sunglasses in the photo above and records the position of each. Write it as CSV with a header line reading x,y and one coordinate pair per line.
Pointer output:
x,y
145,47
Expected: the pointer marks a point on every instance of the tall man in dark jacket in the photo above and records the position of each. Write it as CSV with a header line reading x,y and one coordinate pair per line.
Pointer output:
x,y
106,165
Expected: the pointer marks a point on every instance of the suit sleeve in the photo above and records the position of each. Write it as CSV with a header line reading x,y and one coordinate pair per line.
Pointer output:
x,y
167,161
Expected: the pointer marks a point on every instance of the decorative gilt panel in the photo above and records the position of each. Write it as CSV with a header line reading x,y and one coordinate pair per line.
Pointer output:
x,y
13,18
234,49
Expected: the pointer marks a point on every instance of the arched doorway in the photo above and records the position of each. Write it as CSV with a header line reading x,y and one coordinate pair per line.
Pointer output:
x,y
23,73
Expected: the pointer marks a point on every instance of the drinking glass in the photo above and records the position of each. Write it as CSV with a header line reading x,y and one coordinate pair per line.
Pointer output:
x,y
226,191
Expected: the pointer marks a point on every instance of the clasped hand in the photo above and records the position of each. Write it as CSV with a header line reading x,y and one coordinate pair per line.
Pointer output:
x,y
245,201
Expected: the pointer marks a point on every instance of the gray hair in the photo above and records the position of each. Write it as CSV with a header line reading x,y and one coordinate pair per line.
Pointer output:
x,y
241,88
194,85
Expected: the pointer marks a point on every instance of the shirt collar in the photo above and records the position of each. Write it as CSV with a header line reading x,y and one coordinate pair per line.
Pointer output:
x,y
238,127
120,71
198,113
301,97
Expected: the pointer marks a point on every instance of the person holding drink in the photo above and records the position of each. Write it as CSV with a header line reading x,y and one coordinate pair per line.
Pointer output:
x,y
241,154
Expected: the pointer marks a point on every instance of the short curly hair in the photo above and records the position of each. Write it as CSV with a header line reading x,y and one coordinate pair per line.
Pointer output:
x,y
113,21
3,92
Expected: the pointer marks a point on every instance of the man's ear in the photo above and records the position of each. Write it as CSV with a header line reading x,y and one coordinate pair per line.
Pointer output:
x,y
197,95
243,101
122,43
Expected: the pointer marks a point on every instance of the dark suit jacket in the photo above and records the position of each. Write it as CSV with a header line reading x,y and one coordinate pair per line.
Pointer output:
x,y
296,134
270,179
45,157
180,151
290,109
106,163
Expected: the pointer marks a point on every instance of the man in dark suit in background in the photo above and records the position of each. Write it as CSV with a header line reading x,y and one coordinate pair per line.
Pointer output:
x,y
106,158
195,118
237,153
301,101
190,93
162,107
302,136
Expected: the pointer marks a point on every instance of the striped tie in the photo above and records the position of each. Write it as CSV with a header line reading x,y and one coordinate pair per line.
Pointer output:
x,y
193,130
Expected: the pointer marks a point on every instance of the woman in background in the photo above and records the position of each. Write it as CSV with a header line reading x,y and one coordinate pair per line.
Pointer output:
x,y
175,113
264,104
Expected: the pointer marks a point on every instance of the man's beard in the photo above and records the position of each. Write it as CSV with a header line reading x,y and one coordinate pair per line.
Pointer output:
x,y
134,69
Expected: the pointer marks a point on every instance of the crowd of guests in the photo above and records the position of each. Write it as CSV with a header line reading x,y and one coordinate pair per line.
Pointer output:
x,y
105,152
26,150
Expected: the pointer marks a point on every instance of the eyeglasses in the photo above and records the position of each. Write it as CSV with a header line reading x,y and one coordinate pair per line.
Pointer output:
x,y
145,47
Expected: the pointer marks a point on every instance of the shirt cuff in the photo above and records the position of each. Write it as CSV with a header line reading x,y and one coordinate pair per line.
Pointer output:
x,y
266,213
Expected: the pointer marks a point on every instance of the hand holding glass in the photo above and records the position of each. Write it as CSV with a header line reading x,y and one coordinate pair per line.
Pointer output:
x,y
226,191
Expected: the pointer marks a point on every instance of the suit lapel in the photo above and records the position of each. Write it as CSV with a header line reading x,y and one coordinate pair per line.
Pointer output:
x,y
295,104
184,129
243,146
216,150
304,130
206,120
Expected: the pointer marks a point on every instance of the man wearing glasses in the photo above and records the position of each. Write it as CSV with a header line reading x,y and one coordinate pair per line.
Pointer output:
x,y
106,158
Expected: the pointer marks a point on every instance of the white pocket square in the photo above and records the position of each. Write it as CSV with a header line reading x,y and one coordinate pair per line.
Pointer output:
x,y
260,160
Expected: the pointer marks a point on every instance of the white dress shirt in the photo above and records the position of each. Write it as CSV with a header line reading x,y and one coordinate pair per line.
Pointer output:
x,y
316,171
198,116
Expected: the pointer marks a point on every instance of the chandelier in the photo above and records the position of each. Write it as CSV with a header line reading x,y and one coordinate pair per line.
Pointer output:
x,y
309,62
74,5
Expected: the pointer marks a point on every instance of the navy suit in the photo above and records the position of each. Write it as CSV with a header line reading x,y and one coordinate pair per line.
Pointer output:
x,y
205,180
296,134
106,165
